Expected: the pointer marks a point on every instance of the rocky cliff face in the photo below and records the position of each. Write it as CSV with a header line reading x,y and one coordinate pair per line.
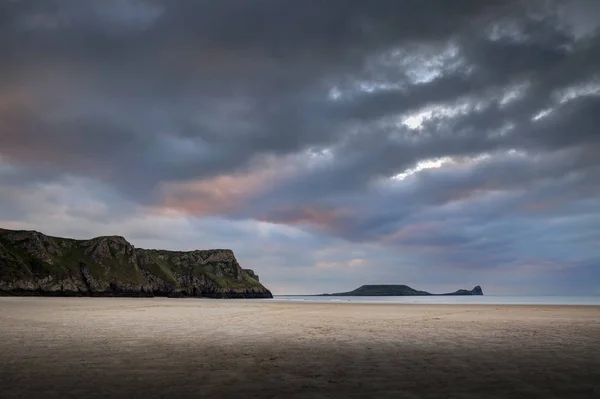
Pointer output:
x,y
32,263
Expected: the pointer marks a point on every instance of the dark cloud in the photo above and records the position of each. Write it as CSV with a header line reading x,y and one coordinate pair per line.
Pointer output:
x,y
300,113
200,66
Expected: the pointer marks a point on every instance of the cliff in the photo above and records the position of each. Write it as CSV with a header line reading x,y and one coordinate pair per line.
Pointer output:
x,y
398,290
32,263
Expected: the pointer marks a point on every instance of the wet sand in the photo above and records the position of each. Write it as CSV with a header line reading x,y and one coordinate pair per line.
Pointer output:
x,y
179,348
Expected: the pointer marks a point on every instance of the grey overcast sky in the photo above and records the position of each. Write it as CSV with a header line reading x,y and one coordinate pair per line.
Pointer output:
x,y
329,143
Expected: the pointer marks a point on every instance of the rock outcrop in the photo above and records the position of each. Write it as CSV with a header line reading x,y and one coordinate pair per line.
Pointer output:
x,y
475,291
32,263
398,290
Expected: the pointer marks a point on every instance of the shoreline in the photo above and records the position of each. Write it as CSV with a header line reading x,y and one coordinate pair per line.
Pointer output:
x,y
275,302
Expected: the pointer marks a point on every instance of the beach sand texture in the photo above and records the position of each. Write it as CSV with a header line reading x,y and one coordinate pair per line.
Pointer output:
x,y
179,348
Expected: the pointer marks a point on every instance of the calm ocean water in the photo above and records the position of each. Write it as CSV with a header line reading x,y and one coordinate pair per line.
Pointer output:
x,y
475,299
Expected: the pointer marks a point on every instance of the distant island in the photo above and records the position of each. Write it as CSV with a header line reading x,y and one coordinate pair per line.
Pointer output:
x,y
398,290
32,263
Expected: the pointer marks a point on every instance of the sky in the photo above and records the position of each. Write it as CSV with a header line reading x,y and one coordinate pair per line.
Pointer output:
x,y
330,144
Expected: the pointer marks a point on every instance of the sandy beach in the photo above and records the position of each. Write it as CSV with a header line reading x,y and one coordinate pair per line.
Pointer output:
x,y
178,348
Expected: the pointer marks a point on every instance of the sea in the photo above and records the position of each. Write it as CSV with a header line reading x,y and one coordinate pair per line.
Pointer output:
x,y
458,300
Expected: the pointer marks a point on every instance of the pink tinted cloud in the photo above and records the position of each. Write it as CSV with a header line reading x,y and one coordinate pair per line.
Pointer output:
x,y
211,197
224,193
325,218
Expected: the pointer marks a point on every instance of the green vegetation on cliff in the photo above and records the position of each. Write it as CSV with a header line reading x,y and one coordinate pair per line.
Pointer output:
x,y
32,263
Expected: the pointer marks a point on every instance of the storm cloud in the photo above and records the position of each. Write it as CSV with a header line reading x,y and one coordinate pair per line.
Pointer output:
x,y
329,143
